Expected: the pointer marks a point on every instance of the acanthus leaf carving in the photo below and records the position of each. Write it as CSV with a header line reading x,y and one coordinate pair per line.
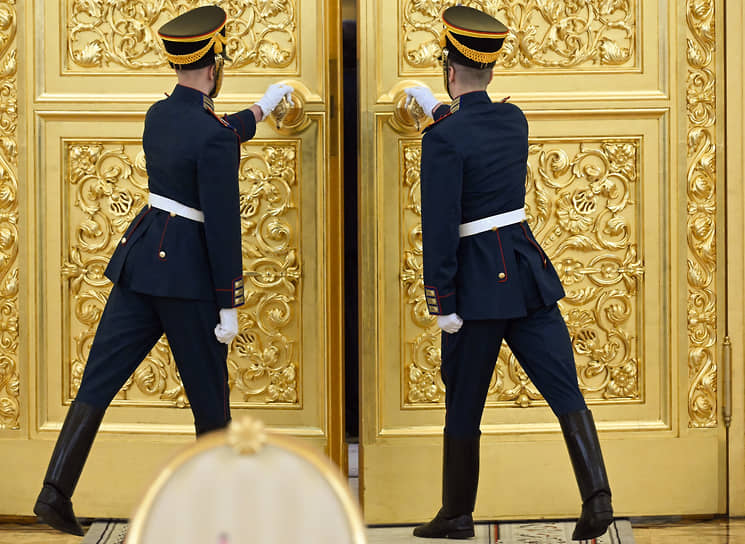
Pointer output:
x,y
10,376
123,35
701,216
582,34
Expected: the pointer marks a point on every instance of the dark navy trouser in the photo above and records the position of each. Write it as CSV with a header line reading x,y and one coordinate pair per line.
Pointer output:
x,y
130,326
540,342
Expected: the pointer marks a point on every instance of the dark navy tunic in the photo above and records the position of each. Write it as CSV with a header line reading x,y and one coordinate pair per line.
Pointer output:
x,y
192,157
474,161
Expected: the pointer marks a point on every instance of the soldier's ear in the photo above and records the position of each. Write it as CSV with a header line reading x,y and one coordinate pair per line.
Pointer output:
x,y
451,74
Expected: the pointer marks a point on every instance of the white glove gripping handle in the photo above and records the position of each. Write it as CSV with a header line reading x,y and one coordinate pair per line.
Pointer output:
x,y
273,96
424,97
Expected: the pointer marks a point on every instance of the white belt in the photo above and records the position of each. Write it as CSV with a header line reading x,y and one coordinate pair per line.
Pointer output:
x,y
163,203
492,222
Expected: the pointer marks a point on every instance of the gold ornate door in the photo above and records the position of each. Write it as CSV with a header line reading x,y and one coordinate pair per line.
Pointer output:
x,y
623,102
73,177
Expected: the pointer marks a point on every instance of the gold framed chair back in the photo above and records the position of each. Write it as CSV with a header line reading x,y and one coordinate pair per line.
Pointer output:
x,y
245,484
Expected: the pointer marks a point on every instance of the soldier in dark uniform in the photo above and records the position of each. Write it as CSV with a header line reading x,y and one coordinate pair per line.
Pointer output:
x,y
178,268
487,278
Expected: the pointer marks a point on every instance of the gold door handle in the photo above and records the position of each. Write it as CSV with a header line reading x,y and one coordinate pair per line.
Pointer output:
x,y
289,117
408,115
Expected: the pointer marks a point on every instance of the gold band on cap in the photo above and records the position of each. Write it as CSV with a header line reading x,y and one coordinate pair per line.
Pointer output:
x,y
217,39
472,54
475,33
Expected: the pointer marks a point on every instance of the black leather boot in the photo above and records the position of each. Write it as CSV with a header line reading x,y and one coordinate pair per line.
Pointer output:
x,y
53,506
460,479
581,439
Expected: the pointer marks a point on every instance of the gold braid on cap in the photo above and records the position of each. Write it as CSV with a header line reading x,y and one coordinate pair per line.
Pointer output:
x,y
476,56
217,39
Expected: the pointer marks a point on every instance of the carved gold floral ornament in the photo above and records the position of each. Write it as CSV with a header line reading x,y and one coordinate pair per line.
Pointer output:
x,y
10,376
246,435
702,211
586,34
105,35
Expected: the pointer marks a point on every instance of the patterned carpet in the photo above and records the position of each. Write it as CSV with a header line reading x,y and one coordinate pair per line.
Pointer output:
x,y
540,532
558,532
106,532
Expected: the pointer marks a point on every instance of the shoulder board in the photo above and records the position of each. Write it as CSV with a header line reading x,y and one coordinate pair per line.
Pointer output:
x,y
209,107
429,127
222,120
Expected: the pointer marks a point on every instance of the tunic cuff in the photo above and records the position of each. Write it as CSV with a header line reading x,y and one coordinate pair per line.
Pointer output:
x,y
232,297
438,304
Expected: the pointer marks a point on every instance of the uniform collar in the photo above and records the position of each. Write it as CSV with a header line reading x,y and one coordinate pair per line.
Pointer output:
x,y
193,96
468,100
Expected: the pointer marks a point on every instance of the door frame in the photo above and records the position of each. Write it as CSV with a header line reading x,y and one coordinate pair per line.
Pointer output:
x,y
734,223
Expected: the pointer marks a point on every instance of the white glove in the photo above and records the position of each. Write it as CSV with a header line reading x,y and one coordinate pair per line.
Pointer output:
x,y
273,96
227,328
425,98
450,323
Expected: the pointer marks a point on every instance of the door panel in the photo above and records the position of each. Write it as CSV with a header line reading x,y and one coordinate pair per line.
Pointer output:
x,y
94,70
627,216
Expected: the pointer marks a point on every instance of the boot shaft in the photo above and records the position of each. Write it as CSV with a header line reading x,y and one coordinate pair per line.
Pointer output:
x,y
73,446
460,474
583,445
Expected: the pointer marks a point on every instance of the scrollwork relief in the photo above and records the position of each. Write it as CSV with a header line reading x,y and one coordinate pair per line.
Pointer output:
x,y
106,187
10,377
702,210
582,206
262,34
264,365
581,34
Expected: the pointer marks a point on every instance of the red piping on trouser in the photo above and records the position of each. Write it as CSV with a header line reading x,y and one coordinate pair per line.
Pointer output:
x,y
540,252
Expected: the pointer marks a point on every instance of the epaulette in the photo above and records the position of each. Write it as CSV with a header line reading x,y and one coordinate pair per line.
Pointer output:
x,y
429,127
224,122
454,107
209,106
